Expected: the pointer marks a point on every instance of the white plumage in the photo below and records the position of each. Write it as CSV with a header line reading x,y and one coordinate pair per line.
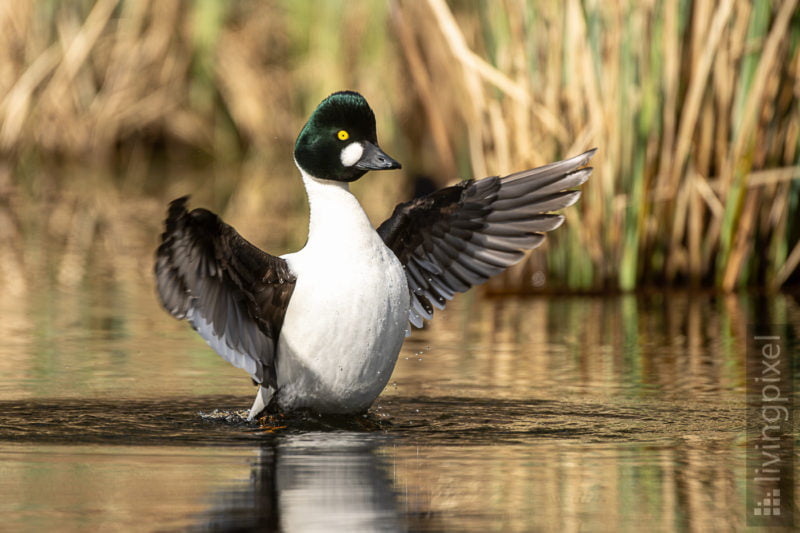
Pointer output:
x,y
348,314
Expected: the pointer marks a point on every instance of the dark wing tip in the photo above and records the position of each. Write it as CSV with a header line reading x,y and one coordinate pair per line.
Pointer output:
x,y
182,200
177,206
172,290
584,158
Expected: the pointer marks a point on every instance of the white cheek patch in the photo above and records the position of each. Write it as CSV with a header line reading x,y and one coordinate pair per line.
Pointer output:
x,y
351,154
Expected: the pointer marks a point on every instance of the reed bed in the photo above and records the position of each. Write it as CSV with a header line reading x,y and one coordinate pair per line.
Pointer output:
x,y
693,104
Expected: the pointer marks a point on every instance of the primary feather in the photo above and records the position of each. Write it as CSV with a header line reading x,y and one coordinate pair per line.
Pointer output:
x,y
460,236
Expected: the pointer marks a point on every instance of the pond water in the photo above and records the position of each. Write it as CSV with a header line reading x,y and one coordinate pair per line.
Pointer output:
x,y
549,413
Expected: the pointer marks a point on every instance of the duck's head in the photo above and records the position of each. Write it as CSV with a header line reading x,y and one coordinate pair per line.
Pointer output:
x,y
339,141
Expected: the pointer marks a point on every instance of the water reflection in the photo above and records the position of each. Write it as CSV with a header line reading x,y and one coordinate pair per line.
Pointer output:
x,y
352,482
312,482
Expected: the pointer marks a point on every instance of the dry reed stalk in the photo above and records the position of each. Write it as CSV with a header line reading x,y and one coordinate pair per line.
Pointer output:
x,y
424,85
699,79
469,59
756,99
671,79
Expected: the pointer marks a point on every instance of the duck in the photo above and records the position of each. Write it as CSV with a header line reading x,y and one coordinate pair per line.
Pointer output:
x,y
321,328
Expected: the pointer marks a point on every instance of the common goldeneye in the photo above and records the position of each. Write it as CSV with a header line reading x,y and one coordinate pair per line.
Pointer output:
x,y
321,328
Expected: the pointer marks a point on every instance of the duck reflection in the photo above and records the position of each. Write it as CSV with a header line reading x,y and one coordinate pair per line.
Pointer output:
x,y
312,482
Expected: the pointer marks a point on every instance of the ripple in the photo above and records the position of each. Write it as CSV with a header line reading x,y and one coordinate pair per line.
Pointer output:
x,y
432,420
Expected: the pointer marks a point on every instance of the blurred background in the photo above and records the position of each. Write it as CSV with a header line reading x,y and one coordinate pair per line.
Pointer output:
x,y
547,413
111,108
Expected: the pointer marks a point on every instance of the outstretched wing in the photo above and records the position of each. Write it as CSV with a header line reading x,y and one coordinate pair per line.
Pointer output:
x,y
232,293
460,236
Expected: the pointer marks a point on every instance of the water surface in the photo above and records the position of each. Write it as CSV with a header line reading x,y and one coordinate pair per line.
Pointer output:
x,y
506,414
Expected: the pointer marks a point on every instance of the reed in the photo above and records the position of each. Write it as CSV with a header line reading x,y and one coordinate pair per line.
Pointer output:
x,y
694,106
688,102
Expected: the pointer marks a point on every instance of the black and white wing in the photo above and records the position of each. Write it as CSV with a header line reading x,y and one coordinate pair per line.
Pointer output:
x,y
233,294
460,236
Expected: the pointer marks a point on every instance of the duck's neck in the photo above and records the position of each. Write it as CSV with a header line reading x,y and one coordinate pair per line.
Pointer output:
x,y
335,214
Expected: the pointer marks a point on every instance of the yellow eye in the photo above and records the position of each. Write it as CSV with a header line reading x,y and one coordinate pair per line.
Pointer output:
x,y
343,135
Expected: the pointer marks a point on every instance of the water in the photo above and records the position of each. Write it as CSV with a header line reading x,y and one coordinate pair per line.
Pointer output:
x,y
513,414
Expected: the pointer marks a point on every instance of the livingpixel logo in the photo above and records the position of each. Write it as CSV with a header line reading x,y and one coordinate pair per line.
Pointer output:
x,y
770,442
770,505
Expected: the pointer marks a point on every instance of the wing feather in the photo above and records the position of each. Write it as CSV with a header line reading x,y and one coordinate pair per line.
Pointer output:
x,y
460,236
232,293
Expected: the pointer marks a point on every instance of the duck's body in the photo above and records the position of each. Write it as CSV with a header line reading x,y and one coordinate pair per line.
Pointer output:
x,y
321,328
348,314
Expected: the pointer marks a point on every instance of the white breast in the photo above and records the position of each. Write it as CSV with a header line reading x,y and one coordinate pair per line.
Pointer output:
x,y
348,314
